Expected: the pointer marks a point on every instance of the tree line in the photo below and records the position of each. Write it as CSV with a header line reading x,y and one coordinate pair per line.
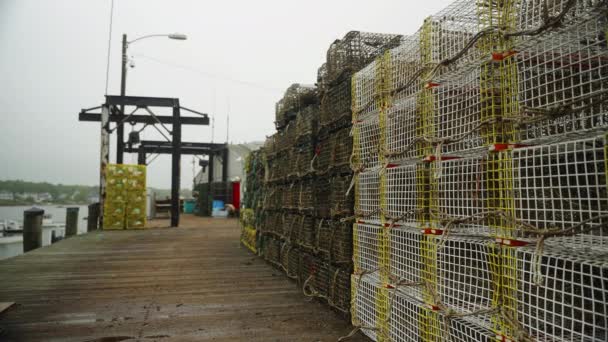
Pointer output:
x,y
59,192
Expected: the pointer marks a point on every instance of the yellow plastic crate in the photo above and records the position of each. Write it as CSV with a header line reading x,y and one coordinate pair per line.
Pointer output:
x,y
125,202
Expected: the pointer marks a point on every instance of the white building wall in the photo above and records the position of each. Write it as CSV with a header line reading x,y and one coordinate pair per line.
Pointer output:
x,y
237,154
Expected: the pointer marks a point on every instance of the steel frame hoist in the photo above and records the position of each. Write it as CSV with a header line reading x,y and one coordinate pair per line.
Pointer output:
x,y
140,112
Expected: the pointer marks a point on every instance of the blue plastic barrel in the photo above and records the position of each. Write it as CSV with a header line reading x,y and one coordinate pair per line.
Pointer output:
x,y
189,206
217,204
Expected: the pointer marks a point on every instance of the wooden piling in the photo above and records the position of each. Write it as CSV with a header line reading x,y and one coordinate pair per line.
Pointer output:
x,y
71,221
32,229
93,218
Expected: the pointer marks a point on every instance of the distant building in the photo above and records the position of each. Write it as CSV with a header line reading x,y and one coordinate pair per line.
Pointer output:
x,y
73,196
27,195
7,196
44,197
237,154
93,198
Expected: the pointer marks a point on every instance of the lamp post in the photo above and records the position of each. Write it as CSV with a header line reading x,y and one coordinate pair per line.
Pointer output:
x,y
120,143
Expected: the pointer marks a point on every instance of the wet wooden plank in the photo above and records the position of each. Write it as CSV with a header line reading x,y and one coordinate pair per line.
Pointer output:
x,y
193,283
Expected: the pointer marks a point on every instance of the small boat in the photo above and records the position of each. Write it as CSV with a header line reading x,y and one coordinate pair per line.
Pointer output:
x,y
9,225
47,219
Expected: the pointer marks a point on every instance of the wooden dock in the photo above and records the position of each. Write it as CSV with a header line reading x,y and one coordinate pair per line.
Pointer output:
x,y
193,283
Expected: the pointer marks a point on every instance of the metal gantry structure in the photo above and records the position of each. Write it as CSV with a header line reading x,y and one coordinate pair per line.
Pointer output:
x,y
112,112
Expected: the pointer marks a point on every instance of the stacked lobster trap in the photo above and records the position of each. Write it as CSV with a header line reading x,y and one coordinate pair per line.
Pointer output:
x,y
307,188
481,201
252,215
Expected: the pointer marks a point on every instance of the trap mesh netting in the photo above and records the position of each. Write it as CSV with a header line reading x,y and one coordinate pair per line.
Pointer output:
x,y
481,201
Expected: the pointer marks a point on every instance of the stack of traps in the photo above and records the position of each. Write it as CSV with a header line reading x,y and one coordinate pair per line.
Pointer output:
x,y
570,306
480,146
124,204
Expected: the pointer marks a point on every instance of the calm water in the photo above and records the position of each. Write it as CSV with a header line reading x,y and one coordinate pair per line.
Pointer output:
x,y
16,213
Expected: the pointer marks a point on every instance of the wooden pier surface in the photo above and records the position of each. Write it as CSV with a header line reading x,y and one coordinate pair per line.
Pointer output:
x,y
193,283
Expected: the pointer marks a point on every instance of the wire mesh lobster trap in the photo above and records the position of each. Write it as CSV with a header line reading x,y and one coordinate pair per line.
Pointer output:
x,y
369,146
304,155
278,223
291,194
402,193
401,128
465,283
291,227
365,290
563,293
306,226
341,199
339,291
270,146
560,185
365,247
306,266
334,153
307,124
367,196
276,165
306,196
405,259
342,149
450,32
341,243
322,79
288,253
367,85
323,151
406,68
458,191
322,197
403,318
457,117
293,263
534,14
351,53
323,238
321,278
296,97
562,79
336,106
272,250
272,198
410,320
289,136
334,241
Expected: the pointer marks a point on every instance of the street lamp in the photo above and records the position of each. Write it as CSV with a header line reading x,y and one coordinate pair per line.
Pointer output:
x,y
123,84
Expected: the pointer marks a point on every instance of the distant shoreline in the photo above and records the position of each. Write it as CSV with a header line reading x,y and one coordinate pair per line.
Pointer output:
x,y
21,204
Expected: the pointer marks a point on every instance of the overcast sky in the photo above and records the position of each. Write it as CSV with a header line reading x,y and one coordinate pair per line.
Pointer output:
x,y
239,58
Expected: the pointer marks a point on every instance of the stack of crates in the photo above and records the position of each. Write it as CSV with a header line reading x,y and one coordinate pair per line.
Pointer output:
x,y
481,199
334,190
288,204
307,208
125,199
253,200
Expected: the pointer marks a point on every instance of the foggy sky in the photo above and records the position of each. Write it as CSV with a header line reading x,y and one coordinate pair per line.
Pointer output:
x,y
239,58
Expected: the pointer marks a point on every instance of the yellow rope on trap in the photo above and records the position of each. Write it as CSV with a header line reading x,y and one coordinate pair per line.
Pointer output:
x,y
248,238
355,163
498,100
383,90
425,102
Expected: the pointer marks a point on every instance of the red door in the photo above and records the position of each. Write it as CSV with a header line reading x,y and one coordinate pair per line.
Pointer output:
x,y
236,195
